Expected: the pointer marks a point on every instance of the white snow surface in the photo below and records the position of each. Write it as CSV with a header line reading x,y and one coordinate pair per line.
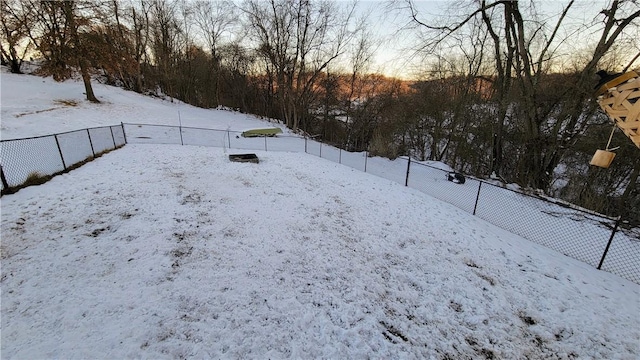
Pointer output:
x,y
34,106
166,251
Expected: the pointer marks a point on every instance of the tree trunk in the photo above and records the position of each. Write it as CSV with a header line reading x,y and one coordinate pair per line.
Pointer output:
x,y
70,17
14,60
86,78
15,66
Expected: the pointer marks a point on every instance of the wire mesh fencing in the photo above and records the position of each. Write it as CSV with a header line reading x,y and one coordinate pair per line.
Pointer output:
x,y
25,158
75,146
436,183
589,237
23,161
570,231
153,134
622,255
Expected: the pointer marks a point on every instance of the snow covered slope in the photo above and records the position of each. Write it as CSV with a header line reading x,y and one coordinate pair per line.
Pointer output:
x,y
33,106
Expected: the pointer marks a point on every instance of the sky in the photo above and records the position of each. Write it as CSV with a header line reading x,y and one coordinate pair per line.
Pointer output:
x,y
394,54
398,38
168,251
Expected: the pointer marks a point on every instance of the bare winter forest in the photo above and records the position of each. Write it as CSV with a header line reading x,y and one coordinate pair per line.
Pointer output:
x,y
494,88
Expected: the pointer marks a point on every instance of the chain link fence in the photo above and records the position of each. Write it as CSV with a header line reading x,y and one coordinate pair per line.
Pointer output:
x,y
622,255
32,160
579,233
570,231
583,235
589,237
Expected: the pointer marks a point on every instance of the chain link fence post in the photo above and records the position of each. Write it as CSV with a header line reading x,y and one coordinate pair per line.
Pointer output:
x,y
60,150
180,123
406,179
613,234
475,207
5,184
123,132
113,137
90,143
366,156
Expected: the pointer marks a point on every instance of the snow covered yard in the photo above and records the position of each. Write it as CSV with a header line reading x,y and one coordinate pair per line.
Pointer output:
x,y
162,251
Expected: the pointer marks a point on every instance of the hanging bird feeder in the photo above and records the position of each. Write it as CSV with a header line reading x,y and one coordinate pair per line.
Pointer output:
x,y
618,97
603,158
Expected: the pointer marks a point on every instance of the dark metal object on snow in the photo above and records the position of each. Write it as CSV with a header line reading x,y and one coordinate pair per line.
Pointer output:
x,y
455,177
252,158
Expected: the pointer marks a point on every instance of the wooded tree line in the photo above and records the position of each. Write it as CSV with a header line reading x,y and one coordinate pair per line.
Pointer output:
x,y
537,123
506,89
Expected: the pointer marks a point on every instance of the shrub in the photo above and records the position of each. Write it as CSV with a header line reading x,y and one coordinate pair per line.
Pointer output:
x,y
35,178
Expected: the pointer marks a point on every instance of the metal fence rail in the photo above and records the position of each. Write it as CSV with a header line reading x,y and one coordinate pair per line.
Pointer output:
x,y
581,234
23,160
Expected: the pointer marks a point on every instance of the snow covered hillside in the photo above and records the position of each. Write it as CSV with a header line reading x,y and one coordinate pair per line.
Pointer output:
x,y
33,106
165,251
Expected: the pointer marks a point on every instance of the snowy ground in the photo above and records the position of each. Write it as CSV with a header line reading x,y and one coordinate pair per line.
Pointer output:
x,y
164,251
33,106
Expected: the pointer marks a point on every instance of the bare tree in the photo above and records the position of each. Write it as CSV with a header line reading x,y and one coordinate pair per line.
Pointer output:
x,y
139,18
79,47
524,49
214,19
59,35
16,17
298,39
240,79
360,60
164,43
120,38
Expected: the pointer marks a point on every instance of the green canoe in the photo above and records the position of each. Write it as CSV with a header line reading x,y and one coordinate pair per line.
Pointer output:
x,y
262,132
